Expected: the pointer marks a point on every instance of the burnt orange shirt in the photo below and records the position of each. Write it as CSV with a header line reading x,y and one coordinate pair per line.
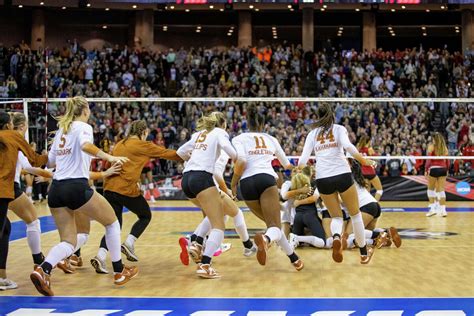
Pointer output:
x,y
11,142
139,152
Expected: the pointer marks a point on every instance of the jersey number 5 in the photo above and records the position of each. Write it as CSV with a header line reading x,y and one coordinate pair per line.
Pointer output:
x,y
63,142
322,137
259,142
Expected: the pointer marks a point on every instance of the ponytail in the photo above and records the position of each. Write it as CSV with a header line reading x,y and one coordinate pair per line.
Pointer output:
x,y
211,121
137,128
440,148
74,107
18,119
357,173
254,118
326,117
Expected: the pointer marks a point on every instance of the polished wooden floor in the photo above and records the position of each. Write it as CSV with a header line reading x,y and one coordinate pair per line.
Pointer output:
x,y
435,265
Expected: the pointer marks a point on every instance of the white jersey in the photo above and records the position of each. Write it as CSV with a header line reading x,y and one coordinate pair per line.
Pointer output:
x,y
287,207
328,148
66,152
364,196
205,147
219,168
258,150
22,163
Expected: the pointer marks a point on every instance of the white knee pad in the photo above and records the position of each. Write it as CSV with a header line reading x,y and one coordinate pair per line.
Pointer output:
x,y
34,226
431,194
442,195
379,192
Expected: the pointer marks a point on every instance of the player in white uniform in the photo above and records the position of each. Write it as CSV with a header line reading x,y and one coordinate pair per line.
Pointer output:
x,y
333,175
257,178
70,192
201,153
204,228
371,212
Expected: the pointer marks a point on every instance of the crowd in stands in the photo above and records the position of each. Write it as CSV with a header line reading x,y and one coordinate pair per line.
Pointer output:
x,y
277,71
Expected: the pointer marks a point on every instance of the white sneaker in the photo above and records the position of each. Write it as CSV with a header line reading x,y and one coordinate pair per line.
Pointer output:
x,y
152,199
205,271
99,265
7,284
442,211
432,211
248,252
129,251
293,241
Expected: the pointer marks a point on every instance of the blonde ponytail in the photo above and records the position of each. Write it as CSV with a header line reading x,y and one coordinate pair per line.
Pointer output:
x,y
440,147
74,107
298,181
211,121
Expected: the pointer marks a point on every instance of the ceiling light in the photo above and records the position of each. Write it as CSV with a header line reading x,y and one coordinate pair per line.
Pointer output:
x,y
393,10
229,34
427,10
443,7
275,37
104,27
339,34
107,9
172,7
198,31
250,6
41,3
134,6
423,27
222,10
257,9
357,10
322,9
231,27
187,10
211,7
289,6
393,34
292,10
403,7
88,5
20,6
325,6
424,34
341,28
273,27
456,27
389,27
457,31
64,8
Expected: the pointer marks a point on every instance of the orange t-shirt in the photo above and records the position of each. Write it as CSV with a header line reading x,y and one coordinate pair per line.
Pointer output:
x,y
139,152
11,142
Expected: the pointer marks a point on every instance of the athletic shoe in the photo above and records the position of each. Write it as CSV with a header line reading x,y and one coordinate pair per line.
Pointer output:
x,y
65,266
248,252
432,211
41,282
7,284
226,247
126,275
370,253
442,211
344,238
76,261
262,247
184,255
293,241
129,252
381,240
195,251
395,237
99,265
298,264
205,271
337,250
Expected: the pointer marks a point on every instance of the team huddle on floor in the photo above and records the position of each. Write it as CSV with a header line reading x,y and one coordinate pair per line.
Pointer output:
x,y
325,206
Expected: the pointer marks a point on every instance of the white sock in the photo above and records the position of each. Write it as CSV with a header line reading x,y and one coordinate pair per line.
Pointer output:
x,y
359,229
204,228
284,244
336,225
370,241
59,252
350,241
112,239
102,254
81,240
368,234
29,191
130,241
213,242
240,226
274,234
312,240
379,230
33,236
329,243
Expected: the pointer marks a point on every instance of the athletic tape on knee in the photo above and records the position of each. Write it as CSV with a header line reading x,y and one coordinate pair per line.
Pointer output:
x,y
431,193
379,192
442,194
34,226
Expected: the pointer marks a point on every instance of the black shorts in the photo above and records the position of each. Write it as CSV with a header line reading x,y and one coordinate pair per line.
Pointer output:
x,y
325,214
372,209
17,189
253,187
438,172
369,176
70,193
194,182
339,183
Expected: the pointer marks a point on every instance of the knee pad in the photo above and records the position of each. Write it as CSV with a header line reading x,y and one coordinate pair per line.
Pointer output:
x,y
29,190
379,192
431,193
34,226
442,195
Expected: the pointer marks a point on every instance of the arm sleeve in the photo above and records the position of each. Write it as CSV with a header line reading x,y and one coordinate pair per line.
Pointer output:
x,y
343,138
155,151
280,154
184,151
35,159
307,149
226,146
220,165
24,163
86,135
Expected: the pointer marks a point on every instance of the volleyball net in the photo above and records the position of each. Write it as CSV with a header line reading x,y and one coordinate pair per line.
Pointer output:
x,y
398,130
